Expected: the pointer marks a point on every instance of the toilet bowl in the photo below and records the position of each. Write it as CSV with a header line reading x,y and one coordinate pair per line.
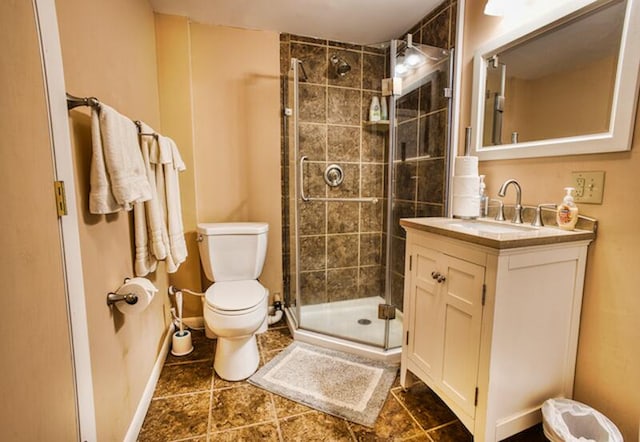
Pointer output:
x,y
235,310
235,306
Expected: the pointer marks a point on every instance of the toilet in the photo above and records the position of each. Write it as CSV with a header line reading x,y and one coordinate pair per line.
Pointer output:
x,y
235,306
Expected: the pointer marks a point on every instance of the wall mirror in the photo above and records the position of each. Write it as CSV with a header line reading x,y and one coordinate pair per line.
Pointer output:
x,y
565,83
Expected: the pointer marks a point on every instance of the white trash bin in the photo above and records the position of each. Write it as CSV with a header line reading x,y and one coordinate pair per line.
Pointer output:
x,y
565,420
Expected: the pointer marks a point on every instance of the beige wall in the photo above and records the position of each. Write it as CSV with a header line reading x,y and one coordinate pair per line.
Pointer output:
x,y
231,122
608,366
538,109
173,47
37,383
109,52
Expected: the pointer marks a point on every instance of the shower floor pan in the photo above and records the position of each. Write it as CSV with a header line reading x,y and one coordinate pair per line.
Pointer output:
x,y
351,326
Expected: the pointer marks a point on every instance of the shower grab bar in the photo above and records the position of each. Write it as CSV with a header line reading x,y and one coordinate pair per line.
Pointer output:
x,y
306,198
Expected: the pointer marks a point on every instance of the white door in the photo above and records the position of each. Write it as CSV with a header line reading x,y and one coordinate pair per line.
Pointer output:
x,y
462,318
425,312
46,393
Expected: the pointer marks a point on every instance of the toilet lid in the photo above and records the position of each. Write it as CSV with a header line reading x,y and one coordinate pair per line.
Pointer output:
x,y
235,295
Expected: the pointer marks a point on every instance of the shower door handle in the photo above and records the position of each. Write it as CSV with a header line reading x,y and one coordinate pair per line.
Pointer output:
x,y
306,198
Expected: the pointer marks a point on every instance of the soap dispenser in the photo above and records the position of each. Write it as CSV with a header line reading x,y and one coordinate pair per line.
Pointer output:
x,y
567,214
484,198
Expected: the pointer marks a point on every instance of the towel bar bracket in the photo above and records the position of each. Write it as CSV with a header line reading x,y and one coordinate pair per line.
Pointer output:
x,y
73,102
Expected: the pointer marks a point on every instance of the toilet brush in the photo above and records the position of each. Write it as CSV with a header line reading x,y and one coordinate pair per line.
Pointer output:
x,y
179,305
181,343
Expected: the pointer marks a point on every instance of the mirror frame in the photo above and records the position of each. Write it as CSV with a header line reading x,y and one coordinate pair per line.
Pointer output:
x,y
625,94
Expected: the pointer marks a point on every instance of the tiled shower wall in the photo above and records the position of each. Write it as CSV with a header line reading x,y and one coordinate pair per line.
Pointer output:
x,y
420,165
342,244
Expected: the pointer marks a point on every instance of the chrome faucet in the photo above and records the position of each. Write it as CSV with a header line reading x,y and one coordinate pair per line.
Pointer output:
x,y
517,215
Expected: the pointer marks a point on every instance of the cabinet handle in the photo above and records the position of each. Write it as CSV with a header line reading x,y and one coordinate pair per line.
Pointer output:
x,y
442,278
435,275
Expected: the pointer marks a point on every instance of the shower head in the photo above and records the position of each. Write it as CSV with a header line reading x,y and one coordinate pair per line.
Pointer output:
x,y
340,66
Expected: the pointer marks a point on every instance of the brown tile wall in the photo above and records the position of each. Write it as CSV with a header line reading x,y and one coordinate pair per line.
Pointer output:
x,y
420,162
342,244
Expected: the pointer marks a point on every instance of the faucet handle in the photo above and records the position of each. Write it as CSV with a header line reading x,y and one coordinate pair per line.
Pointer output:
x,y
537,220
500,213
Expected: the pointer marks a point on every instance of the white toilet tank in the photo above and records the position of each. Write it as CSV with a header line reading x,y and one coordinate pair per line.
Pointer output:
x,y
232,251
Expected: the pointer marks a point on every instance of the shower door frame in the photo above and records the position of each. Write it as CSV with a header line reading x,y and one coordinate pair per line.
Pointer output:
x,y
297,161
294,165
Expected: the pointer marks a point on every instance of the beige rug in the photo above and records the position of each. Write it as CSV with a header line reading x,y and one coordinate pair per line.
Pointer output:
x,y
337,383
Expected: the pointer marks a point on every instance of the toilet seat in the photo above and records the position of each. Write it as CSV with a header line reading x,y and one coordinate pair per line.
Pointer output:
x,y
235,297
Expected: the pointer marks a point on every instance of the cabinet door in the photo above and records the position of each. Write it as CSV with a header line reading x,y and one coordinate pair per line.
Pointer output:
x,y
425,339
461,322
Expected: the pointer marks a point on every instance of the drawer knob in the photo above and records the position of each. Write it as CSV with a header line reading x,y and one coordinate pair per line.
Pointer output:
x,y
439,277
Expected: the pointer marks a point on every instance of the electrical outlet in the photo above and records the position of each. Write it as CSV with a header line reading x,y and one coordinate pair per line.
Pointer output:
x,y
589,187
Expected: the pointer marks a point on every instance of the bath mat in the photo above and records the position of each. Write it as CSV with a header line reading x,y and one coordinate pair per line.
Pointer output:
x,y
334,382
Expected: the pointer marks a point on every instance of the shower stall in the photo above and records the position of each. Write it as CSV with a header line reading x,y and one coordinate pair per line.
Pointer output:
x,y
348,180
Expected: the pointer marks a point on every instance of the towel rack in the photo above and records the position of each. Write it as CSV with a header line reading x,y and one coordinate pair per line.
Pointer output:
x,y
73,102
138,124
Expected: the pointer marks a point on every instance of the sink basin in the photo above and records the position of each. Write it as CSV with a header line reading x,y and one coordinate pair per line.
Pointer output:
x,y
496,234
491,227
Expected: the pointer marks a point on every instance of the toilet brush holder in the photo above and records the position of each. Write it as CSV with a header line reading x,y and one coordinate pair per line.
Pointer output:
x,y
181,344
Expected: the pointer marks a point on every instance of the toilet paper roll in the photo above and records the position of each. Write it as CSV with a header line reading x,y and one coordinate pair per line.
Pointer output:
x,y
143,289
466,166
466,206
466,186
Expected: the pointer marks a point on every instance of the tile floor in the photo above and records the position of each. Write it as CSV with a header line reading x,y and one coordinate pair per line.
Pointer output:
x,y
191,403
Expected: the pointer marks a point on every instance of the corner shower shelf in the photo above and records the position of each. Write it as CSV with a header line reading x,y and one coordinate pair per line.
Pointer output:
x,y
378,125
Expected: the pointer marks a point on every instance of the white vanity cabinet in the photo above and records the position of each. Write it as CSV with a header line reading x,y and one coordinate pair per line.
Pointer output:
x,y
492,328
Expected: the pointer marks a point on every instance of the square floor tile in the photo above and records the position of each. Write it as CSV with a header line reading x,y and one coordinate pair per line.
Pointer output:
x,y
177,417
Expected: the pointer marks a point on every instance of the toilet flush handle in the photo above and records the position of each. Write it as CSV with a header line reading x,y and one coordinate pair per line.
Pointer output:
x,y
200,238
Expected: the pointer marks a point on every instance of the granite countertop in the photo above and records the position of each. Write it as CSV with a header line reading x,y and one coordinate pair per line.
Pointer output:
x,y
496,234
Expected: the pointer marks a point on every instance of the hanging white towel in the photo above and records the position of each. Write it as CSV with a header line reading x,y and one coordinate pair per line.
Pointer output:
x,y
123,162
159,231
177,244
149,219
101,199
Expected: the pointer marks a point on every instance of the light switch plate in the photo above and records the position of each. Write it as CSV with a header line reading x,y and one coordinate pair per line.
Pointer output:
x,y
589,186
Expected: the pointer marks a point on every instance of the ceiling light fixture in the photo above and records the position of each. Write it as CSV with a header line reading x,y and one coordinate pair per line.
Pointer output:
x,y
495,8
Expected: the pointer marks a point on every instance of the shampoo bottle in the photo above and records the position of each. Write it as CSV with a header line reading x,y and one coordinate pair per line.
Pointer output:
x,y
384,113
374,109
567,214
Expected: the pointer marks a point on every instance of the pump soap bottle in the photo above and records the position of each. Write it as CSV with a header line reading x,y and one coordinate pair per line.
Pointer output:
x,y
484,198
567,214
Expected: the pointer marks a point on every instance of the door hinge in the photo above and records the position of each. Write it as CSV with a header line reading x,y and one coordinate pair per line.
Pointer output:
x,y
410,262
386,311
475,401
61,198
406,341
448,92
391,86
484,293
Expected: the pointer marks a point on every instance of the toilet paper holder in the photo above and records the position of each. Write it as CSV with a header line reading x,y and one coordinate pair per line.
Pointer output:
x,y
129,298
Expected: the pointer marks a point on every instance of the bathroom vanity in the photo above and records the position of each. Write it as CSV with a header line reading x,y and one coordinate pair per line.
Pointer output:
x,y
492,313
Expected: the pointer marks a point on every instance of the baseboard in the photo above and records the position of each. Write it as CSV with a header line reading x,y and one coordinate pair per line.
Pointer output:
x,y
194,322
147,395
519,422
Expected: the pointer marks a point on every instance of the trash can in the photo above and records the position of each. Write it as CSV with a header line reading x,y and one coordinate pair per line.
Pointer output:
x,y
565,420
